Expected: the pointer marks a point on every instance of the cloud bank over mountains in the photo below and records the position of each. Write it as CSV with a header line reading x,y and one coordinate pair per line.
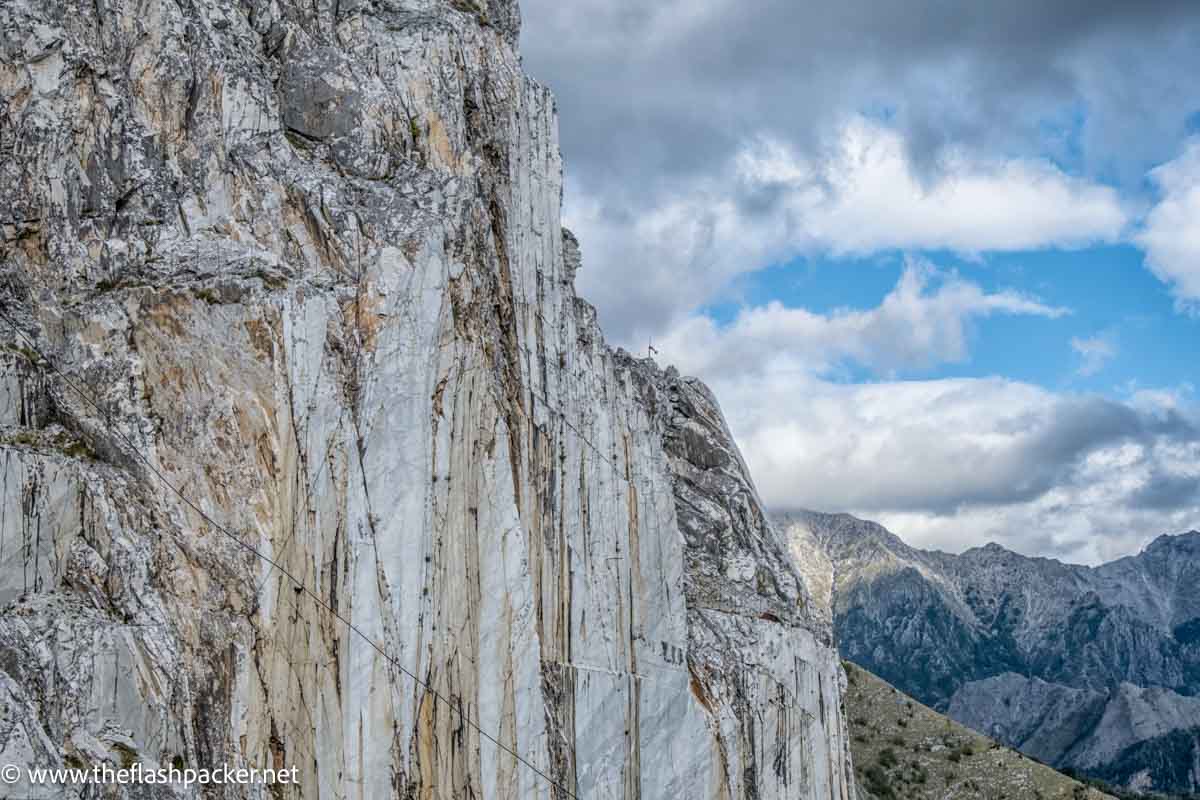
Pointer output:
x,y
707,140
949,462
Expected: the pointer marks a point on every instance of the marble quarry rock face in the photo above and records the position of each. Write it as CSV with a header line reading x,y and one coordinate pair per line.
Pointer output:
x,y
303,262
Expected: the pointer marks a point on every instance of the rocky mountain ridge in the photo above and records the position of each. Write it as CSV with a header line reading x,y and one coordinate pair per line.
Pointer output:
x,y
1123,725
307,257
1092,668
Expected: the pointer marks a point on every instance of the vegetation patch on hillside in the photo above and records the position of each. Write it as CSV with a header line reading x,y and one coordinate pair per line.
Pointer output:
x,y
904,750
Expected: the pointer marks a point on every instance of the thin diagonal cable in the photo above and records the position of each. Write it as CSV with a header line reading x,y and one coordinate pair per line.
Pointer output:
x,y
251,548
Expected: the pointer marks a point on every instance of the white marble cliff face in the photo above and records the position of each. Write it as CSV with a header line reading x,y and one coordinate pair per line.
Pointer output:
x,y
308,257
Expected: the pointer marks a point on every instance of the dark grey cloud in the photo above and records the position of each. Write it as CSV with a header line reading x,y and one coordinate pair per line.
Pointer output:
x,y
1076,427
1046,451
1053,441
654,92
1165,491
657,99
958,462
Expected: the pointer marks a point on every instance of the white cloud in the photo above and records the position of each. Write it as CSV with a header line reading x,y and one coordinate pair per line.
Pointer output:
x,y
873,199
1115,499
865,196
957,463
1171,232
946,463
914,327
1095,351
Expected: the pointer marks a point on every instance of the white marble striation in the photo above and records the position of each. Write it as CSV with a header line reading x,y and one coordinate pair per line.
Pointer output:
x,y
307,256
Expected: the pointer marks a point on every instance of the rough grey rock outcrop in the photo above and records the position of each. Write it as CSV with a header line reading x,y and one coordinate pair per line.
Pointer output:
x,y
1096,669
307,256
1102,733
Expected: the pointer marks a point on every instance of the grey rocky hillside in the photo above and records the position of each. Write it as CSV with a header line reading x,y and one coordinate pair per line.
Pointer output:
x,y
306,258
1095,669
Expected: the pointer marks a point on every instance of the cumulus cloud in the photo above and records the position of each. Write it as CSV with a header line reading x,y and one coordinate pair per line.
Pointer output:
x,y
931,445
1113,499
1095,352
957,463
771,203
947,463
655,91
1171,232
704,141
663,103
1167,490
916,326
869,197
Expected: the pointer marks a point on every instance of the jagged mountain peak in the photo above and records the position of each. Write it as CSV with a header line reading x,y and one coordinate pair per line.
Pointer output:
x,y
842,531
1188,542
1084,666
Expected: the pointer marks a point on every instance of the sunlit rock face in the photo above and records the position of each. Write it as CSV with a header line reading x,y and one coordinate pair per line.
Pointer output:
x,y
307,257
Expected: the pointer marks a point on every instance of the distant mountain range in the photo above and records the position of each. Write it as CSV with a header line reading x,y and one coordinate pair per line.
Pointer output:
x,y
1095,669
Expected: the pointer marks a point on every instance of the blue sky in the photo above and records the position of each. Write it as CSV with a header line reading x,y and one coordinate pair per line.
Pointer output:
x,y
1107,289
940,264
